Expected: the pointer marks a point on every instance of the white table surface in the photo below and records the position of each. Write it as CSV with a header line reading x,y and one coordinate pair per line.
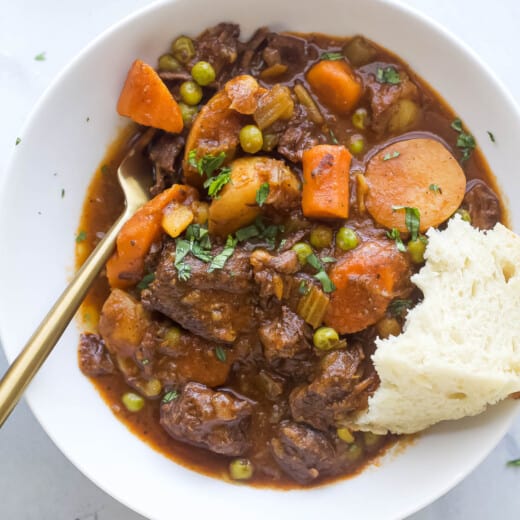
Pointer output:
x,y
36,481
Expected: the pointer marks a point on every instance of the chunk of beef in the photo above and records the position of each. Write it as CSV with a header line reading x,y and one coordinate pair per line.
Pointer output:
x,y
163,153
384,97
482,204
219,46
286,342
303,453
299,134
251,47
289,50
94,359
217,305
217,421
339,389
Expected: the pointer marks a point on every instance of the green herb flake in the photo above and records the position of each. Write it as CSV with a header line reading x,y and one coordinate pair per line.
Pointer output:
x,y
491,136
397,307
221,354
331,56
146,281
207,164
412,220
18,141
333,137
328,260
303,288
217,182
326,283
182,248
465,142
40,57
392,155
396,236
170,396
105,169
456,124
62,193
192,159
220,260
435,188
514,462
262,194
388,75
246,233
81,237
314,261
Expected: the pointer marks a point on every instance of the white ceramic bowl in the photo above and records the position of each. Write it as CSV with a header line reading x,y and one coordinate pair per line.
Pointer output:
x,y
61,151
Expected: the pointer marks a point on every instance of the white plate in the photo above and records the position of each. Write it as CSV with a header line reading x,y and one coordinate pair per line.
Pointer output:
x,y
60,150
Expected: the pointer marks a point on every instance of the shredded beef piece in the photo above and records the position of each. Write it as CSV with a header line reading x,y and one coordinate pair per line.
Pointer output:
x,y
289,50
163,153
340,388
252,46
217,421
482,204
94,359
303,453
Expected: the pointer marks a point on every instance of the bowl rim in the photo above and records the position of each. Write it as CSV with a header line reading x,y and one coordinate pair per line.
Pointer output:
x,y
413,12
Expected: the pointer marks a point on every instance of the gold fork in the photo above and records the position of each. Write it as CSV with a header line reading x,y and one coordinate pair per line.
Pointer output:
x,y
134,176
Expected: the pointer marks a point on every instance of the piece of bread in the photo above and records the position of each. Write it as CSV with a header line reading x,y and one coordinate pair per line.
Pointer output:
x,y
460,347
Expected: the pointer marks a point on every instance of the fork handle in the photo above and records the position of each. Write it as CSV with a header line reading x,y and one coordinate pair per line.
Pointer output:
x,y
39,346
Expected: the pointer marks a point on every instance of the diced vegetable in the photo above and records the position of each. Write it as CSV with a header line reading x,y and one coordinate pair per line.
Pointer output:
x,y
244,93
214,130
188,113
366,280
125,267
336,85
359,51
403,180
273,71
404,116
275,104
176,218
312,306
237,204
326,181
306,100
146,100
359,118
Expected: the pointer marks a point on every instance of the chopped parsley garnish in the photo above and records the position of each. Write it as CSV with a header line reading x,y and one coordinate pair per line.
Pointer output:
x,y
40,57
182,248
207,165
216,183
465,142
333,137
62,193
246,233
435,188
262,194
395,235
328,260
303,288
397,307
18,141
392,155
197,242
81,237
388,75
331,56
220,353
326,283
412,220
220,260
491,136
515,462
146,281
265,234
170,396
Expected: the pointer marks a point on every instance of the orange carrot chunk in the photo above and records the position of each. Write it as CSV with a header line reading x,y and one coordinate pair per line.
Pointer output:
x,y
325,191
335,84
126,266
367,279
146,100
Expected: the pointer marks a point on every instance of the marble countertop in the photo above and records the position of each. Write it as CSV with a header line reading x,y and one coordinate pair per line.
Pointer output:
x,y
36,481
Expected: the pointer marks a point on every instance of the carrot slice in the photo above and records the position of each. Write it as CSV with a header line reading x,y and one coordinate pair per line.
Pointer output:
x,y
325,191
335,84
366,279
146,100
126,266
419,173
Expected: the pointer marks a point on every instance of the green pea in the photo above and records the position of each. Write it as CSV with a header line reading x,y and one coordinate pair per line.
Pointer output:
x,y
346,239
321,237
133,402
191,93
416,250
354,452
168,63
203,73
356,144
241,469
251,139
183,49
359,118
188,113
325,338
302,251
464,215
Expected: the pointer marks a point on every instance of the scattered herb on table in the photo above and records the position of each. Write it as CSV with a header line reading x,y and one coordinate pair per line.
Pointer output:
x,y
491,136
40,57
18,141
81,237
